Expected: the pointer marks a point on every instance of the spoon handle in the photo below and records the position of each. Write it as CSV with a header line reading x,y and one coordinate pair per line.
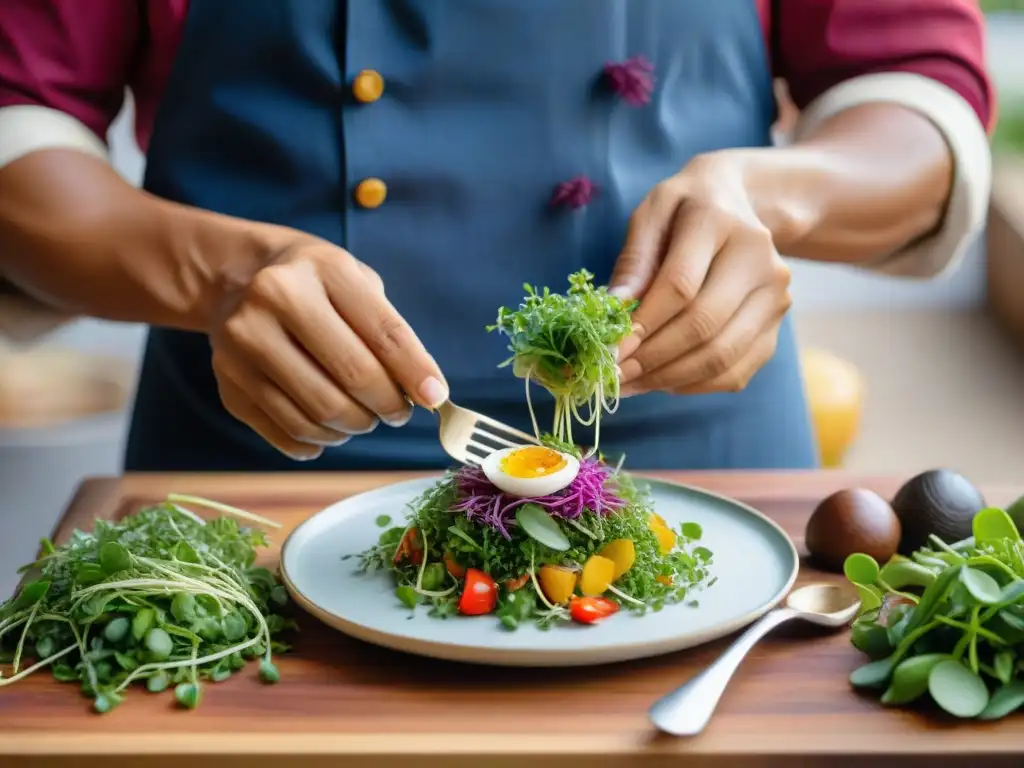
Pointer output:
x,y
687,710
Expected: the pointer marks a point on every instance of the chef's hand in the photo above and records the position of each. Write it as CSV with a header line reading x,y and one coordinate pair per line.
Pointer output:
x,y
309,351
712,288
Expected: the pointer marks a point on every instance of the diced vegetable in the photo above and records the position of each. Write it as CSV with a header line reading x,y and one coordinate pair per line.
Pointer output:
x,y
410,548
480,594
434,576
587,610
597,575
540,526
665,535
457,571
511,585
622,552
557,582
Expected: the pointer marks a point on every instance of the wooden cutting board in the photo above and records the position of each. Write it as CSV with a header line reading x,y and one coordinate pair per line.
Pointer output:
x,y
342,702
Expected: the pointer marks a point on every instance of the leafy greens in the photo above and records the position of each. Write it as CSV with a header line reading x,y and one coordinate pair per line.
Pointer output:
x,y
948,621
161,596
655,579
566,344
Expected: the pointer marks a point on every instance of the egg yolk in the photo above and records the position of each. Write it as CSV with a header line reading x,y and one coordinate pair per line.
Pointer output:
x,y
532,461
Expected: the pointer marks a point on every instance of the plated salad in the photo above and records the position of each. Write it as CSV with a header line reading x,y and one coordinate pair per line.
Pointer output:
x,y
550,532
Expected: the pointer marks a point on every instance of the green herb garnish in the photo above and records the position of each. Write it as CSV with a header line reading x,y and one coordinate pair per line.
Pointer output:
x,y
949,621
161,596
566,344
654,581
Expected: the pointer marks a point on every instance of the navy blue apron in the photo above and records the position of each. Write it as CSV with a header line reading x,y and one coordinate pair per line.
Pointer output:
x,y
488,106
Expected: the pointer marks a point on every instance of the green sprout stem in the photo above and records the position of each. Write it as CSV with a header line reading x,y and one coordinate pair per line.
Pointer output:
x,y
217,506
565,343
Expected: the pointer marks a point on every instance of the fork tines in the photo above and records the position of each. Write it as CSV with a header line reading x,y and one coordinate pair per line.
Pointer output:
x,y
489,435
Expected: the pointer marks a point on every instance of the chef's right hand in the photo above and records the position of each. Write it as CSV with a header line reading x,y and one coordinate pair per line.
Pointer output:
x,y
310,352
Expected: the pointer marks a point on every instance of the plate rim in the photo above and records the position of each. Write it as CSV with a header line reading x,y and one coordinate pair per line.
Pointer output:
x,y
483,655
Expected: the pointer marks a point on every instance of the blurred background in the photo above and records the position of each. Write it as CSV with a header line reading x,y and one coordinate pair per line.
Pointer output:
x,y
902,376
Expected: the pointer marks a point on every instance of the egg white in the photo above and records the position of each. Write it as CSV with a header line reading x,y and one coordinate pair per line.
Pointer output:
x,y
529,486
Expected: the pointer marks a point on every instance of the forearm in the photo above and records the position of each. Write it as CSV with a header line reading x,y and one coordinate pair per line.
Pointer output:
x,y
77,236
866,183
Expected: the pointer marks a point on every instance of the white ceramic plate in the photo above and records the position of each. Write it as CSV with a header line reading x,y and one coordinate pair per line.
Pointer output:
x,y
754,560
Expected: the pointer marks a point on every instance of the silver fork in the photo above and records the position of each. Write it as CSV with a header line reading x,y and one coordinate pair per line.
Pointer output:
x,y
469,437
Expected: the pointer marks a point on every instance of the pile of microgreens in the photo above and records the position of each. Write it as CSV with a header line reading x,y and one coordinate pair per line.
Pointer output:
x,y
948,621
162,596
655,580
566,344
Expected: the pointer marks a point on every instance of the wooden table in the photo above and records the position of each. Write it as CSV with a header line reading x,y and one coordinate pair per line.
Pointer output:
x,y
790,703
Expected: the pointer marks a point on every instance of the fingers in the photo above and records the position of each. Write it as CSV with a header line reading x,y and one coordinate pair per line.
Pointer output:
x,y
383,331
244,408
275,357
701,321
645,239
338,368
289,415
695,240
737,378
723,361
372,278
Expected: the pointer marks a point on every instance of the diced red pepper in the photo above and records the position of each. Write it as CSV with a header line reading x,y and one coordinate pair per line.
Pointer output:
x,y
511,585
587,610
409,548
480,595
456,570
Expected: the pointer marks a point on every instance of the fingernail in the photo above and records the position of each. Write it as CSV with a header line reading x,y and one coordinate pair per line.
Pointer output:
x,y
621,291
628,371
304,456
399,419
626,391
332,443
348,431
433,392
629,345
615,353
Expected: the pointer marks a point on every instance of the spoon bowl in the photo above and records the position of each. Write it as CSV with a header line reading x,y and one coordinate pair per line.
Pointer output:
x,y
827,605
687,710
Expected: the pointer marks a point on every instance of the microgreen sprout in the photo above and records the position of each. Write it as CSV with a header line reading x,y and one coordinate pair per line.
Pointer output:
x,y
566,344
162,596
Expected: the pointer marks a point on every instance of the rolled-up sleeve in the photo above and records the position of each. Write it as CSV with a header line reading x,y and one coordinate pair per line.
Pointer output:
x,y
927,55
68,56
822,43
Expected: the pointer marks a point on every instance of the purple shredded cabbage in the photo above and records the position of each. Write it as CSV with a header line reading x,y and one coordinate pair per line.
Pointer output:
x,y
484,503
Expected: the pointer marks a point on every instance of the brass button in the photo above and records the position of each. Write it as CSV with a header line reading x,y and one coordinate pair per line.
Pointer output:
x,y
368,86
370,193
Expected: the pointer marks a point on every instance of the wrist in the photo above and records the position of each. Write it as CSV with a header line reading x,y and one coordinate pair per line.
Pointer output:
x,y
783,187
212,258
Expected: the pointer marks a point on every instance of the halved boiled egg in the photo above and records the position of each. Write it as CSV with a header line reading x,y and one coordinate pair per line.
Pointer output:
x,y
530,471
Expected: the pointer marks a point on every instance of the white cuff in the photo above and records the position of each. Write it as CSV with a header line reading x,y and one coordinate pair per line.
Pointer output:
x,y
26,128
967,206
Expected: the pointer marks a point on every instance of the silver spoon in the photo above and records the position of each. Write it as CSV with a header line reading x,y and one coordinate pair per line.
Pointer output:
x,y
688,709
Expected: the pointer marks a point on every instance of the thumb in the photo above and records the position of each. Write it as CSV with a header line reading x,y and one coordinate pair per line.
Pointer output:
x,y
638,261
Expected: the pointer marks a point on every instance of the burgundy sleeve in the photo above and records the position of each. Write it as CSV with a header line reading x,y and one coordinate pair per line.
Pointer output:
x,y
820,43
69,55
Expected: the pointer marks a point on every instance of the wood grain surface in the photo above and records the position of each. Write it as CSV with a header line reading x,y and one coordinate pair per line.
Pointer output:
x,y
341,702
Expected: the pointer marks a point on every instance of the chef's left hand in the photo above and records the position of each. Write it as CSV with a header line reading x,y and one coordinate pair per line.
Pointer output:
x,y
713,290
